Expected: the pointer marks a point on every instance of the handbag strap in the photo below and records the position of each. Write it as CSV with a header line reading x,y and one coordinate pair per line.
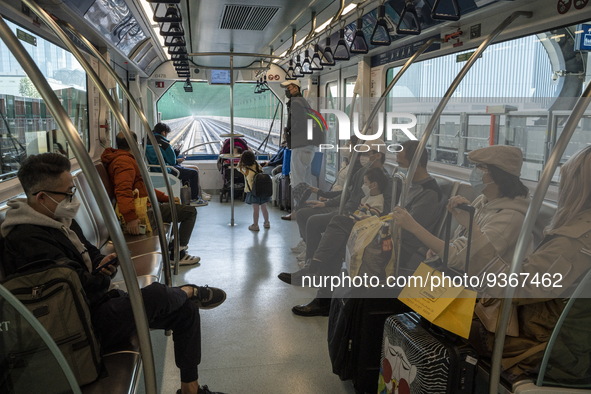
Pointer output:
x,y
470,209
507,363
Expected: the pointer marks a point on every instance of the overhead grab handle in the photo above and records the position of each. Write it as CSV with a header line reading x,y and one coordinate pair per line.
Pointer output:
x,y
341,52
289,75
440,15
381,32
327,56
359,43
410,19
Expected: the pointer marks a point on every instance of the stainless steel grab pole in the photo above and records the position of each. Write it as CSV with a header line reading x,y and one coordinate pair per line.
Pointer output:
x,y
65,124
376,109
154,142
526,230
232,169
113,106
447,96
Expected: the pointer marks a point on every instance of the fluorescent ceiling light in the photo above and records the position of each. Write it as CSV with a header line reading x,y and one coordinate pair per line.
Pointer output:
x,y
349,8
323,26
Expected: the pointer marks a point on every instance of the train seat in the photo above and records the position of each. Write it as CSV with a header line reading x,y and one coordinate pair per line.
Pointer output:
x,y
124,371
137,244
145,254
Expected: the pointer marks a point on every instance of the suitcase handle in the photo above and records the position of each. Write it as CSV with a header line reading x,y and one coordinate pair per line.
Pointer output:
x,y
470,209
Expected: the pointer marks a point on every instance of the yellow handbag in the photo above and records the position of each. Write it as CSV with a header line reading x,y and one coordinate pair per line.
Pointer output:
x,y
141,210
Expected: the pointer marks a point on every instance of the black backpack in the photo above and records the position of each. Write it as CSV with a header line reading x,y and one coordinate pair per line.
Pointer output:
x,y
262,185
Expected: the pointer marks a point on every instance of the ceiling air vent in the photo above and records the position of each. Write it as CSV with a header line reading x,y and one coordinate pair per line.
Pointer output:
x,y
244,17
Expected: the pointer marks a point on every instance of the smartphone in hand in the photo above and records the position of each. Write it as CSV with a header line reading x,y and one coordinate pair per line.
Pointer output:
x,y
107,264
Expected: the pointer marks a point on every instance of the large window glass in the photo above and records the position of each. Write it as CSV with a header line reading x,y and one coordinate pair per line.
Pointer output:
x,y
26,125
198,119
513,95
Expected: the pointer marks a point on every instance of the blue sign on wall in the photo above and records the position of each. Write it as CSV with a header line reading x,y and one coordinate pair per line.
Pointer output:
x,y
583,37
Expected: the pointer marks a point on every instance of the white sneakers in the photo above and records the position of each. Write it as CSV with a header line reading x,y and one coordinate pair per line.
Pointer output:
x,y
205,196
301,246
186,259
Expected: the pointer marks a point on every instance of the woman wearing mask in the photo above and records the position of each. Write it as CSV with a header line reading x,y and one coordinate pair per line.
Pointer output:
x,y
500,211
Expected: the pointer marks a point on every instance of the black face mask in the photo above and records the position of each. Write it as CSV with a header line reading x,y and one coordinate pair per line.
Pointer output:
x,y
287,93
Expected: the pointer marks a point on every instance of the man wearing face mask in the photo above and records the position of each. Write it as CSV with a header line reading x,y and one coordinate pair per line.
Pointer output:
x,y
41,227
500,210
296,133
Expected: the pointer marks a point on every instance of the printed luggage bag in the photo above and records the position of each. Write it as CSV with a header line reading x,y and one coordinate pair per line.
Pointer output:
x,y
418,357
355,328
55,297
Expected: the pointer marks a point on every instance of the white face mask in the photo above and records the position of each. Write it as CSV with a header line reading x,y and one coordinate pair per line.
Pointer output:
x,y
476,180
65,209
364,160
366,190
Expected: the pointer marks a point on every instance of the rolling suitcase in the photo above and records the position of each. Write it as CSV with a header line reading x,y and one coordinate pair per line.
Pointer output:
x,y
284,193
275,197
355,328
420,358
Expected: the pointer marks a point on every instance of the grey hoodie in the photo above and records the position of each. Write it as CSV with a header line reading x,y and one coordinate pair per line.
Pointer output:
x,y
21,212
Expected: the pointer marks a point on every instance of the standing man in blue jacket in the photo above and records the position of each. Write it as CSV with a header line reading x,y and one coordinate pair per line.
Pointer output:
x,y
188,176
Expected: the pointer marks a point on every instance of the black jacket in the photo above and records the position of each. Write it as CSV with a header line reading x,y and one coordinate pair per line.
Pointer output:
x,y
27,243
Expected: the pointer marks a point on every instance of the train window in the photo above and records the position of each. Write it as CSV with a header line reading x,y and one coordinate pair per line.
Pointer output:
x,y
26,125
513,95
196,119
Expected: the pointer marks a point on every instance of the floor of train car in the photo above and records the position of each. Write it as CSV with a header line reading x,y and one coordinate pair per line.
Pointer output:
x,y
252,343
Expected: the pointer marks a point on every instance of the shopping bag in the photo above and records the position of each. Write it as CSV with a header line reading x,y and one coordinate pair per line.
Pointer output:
x,y
141,210
439,301
362,234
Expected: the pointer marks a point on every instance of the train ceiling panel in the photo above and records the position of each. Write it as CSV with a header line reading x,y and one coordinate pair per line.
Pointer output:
x,y
241,17
245,26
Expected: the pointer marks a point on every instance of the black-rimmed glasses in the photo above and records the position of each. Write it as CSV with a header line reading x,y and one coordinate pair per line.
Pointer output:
x,y
70,194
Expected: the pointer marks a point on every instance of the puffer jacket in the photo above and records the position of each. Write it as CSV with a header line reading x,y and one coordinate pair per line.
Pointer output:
x,y
125,177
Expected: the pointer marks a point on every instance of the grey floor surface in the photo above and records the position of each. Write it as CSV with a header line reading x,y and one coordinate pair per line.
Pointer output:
x,y
252,343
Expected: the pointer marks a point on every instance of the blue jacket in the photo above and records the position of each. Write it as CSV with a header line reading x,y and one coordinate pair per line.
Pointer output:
x,y
167,152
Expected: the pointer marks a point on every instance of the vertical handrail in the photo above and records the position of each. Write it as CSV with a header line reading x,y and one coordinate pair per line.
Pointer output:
x,y
39,329
556,331
526,230
159,156
73,138
376,109
447,96
114,107
232,169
